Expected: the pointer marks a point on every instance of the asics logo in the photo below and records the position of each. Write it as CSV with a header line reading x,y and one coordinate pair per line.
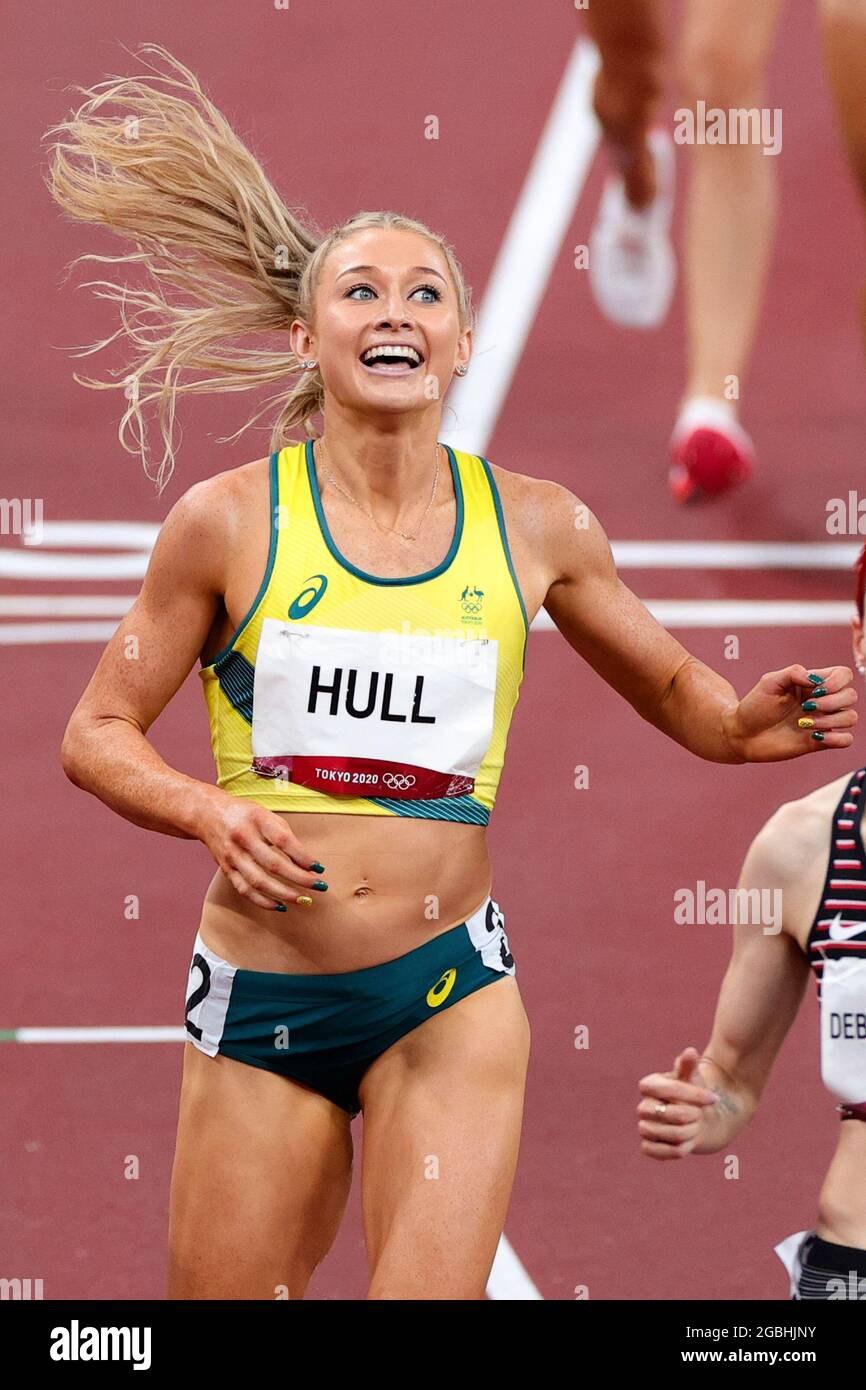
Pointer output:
x,y
309,596
840,933
442,988
399,781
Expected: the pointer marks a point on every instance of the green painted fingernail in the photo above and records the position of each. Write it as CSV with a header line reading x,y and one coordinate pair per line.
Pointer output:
x,y
818,736
817,679
818,693
281,907
320,886
317,868
809,704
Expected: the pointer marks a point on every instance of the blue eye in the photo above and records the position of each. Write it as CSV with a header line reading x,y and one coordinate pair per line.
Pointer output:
x,y
428,289
422,289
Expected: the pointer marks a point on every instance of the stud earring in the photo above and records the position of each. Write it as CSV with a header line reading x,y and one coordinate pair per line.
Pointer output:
x,y
461,370
861,668
309,363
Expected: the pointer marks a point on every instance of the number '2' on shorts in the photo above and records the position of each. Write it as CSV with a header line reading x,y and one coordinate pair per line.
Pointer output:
x,y
326,1030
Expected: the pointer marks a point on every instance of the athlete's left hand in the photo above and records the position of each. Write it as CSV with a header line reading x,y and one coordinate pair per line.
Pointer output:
x,y
764,727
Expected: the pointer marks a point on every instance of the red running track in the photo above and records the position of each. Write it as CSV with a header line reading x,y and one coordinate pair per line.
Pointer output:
x,y
333,97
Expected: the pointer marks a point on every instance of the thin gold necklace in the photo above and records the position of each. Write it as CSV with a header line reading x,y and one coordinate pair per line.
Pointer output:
x,y
393,529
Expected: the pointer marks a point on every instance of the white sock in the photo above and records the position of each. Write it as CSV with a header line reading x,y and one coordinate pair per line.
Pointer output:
x,y
713,412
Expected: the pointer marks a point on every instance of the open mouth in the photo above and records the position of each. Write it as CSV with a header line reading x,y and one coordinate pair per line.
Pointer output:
x,y
393,359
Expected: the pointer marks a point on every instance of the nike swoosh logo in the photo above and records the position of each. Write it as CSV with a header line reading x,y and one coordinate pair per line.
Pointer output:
x,y
840,933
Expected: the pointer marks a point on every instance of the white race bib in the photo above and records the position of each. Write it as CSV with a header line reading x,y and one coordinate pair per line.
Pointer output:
x,y
843,1029
390,714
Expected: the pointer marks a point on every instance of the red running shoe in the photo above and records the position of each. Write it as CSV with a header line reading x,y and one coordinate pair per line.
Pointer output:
x,y
710,454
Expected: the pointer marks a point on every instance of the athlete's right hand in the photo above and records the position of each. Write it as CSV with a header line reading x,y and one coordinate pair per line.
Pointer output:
x,y
673,1132
260,856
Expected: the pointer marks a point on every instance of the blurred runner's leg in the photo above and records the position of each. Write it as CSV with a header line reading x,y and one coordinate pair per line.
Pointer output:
x,y
631,261
730,223
843,27
630,38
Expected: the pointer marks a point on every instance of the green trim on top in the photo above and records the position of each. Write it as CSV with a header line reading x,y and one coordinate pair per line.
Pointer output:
x,y
375,578
453,808
500,517
236,677
269,568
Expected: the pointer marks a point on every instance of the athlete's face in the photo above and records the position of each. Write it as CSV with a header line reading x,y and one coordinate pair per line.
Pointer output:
x,y
385,287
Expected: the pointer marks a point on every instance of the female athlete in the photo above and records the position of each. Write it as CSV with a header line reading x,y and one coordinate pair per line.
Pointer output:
x,y
359,603
812,852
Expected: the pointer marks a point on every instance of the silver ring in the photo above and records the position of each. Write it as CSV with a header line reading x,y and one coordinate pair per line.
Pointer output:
x,y
659,1108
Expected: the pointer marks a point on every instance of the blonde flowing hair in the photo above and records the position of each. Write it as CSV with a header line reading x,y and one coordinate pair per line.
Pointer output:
x,y
224,256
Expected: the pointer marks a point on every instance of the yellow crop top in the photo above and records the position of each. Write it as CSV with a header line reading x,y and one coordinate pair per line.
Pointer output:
x,y
347,693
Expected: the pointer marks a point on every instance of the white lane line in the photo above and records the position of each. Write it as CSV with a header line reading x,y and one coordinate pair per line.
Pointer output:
x,y
733,613
671,613
668,555
100,1035
531,244
64,605
735,555
126,535
39,564
37,634
508,1279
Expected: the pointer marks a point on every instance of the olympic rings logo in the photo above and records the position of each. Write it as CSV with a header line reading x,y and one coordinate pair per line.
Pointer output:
x,y
398,781
470,607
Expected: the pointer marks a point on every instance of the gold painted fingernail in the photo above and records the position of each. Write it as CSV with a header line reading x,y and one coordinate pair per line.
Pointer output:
x,y
304,901
805,723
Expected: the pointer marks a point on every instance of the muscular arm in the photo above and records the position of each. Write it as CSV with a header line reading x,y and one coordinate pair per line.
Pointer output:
x,y
704,1102
760,994
609,626
620,639
105,750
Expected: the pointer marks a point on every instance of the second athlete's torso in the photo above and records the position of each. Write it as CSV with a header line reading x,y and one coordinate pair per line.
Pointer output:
x,y
805,826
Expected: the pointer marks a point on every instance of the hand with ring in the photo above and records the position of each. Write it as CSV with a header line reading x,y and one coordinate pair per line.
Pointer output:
x,y
672,1108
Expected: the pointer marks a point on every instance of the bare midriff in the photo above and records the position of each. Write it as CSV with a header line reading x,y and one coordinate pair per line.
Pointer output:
x,y
393,883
